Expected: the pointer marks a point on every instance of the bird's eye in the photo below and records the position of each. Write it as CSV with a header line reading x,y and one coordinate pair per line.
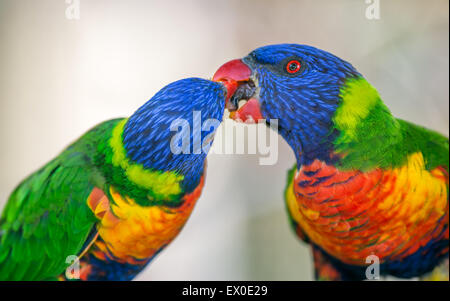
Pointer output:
x,y
293,66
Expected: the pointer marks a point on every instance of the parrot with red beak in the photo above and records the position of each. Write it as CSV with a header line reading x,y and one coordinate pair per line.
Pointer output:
x,y
367,188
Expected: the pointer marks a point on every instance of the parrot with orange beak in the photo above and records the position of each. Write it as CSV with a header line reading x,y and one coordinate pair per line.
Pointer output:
x,y
365,185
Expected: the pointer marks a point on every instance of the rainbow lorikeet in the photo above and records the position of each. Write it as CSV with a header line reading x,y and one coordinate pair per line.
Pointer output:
x,y
118,195
365,183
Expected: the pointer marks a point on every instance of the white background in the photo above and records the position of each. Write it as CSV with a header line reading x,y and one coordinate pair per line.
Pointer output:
x,y
58,78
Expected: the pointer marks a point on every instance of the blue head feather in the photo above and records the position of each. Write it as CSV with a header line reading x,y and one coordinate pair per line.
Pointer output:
x,y
304,103
147,135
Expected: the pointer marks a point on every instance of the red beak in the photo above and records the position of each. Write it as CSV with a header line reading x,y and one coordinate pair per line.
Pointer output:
x,y
231,75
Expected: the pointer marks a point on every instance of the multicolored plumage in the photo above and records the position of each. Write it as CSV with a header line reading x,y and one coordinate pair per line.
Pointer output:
x,y
117,196
365,183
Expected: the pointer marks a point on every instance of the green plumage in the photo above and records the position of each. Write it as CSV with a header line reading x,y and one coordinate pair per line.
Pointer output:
x,y
391,150
92,201
45,230
433,146
370,137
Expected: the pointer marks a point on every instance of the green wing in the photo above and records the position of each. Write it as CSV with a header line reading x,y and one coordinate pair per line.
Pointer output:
x,y
433,146
47,218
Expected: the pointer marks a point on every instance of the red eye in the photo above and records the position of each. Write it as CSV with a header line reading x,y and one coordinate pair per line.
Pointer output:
x,y
293,66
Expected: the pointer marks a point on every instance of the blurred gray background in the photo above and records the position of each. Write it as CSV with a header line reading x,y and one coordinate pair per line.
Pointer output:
x,y
59,77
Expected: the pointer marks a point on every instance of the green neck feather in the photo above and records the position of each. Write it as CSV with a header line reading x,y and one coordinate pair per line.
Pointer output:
x,y
146,187
369,134
370,137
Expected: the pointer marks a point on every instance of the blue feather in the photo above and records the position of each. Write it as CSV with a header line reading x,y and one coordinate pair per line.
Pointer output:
x,y
147,135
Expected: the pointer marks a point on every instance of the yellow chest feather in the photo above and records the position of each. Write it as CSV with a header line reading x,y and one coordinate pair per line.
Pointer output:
x,y
133,233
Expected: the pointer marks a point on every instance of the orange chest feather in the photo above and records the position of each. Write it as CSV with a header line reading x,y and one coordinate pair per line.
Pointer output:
x,y
133,233
352,214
